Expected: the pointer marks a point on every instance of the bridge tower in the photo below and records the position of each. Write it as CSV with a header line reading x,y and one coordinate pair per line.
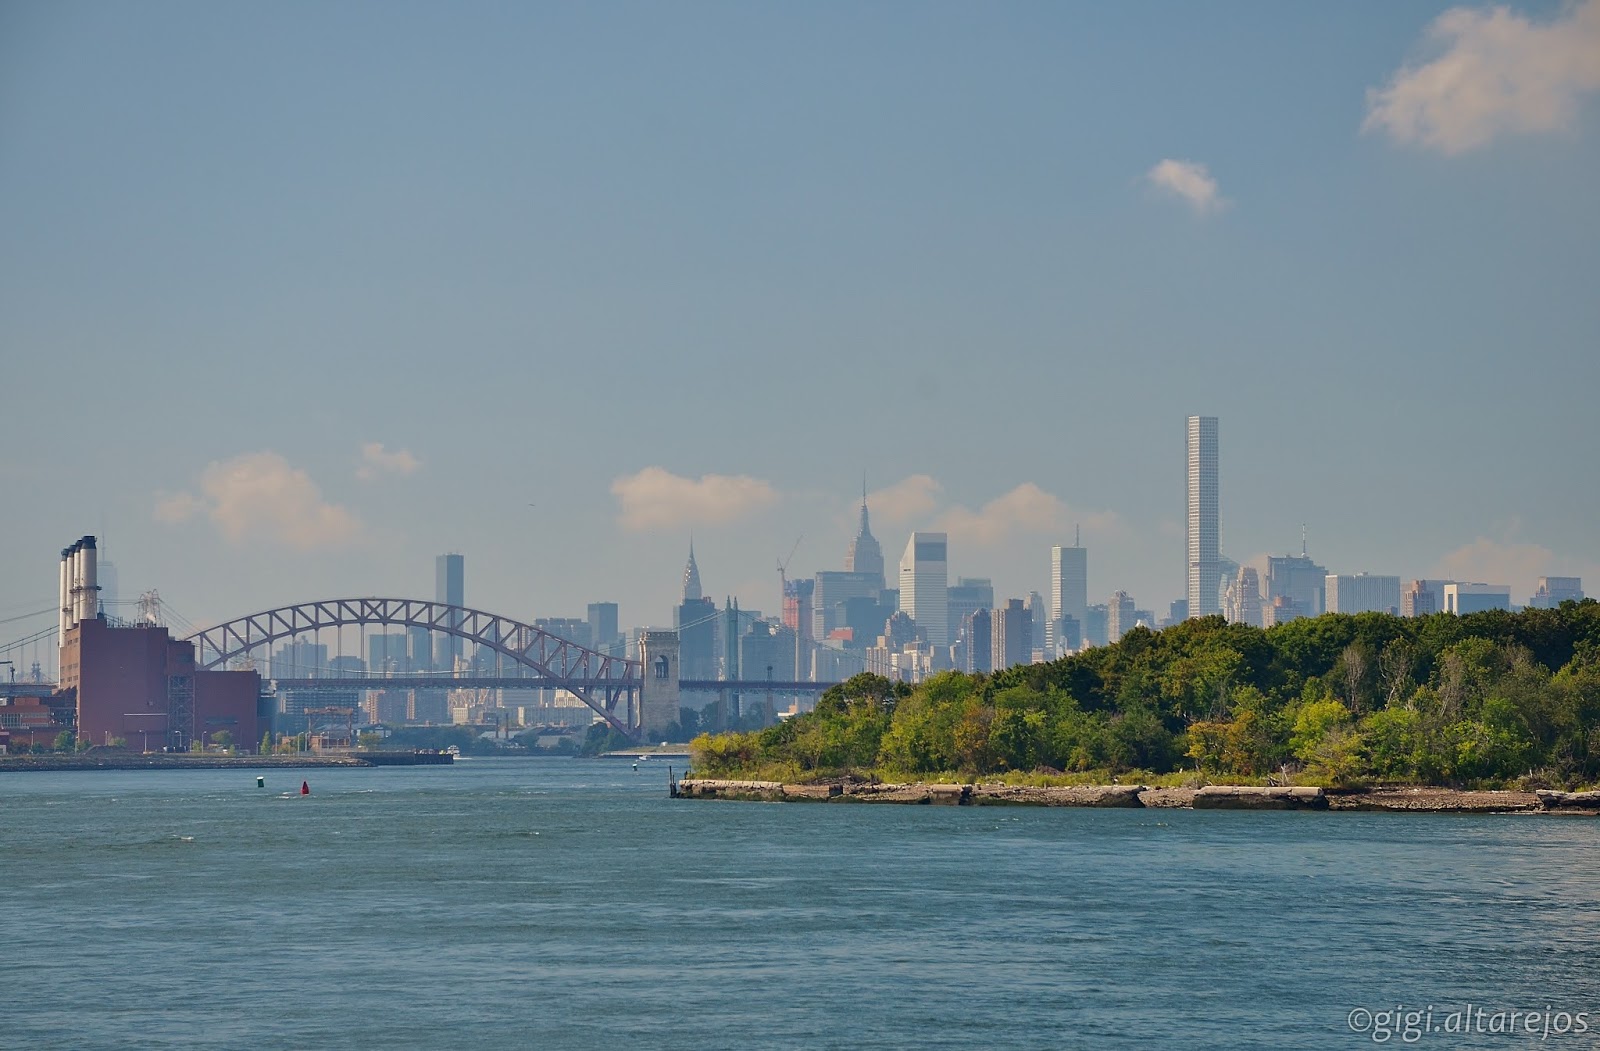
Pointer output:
x,y
658,687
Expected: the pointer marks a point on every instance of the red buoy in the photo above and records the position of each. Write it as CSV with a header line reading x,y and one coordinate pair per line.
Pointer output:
x,y
305,788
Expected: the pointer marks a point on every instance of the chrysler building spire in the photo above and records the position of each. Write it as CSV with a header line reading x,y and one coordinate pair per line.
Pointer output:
x,y
691,577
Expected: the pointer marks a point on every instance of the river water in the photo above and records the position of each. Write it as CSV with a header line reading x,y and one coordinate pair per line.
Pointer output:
x,y
560,903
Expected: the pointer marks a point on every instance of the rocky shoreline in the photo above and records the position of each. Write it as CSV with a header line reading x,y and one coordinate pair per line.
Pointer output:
x,y
1210,797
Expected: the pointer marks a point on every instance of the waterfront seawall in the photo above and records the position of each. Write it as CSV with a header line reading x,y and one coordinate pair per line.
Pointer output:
x,y
1210,797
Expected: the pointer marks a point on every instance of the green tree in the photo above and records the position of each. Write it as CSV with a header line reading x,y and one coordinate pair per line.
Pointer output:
x,y
1325,738
66,741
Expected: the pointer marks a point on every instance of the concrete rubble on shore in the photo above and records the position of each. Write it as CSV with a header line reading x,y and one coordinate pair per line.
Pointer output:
x,y
1008,795
1210,797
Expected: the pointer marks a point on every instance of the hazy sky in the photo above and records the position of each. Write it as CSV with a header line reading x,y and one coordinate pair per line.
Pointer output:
x,y
296,296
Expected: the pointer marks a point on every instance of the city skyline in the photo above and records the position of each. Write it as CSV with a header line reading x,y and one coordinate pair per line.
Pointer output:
x,y
315,319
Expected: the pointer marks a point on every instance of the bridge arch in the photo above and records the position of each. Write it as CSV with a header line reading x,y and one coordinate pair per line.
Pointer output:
x,y
604,683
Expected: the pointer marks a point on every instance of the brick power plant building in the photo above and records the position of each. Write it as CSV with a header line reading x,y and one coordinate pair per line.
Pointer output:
x,y
134,681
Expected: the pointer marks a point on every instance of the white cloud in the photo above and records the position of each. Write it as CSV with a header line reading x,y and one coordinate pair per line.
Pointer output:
x,y
655,498
1493,72
178,507
260,497
377,461
905,501
1190,182
1027,509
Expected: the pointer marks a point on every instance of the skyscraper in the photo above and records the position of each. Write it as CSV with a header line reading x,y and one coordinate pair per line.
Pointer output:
x,y
1069,594
1552,592
832,590
865,556
1244,598
924,585
691,578
449,587
977,634
1299,582
1119,616
1011,635
695,619
1205,520
967,595
602,625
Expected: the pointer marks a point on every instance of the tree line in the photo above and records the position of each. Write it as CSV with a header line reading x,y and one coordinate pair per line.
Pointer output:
x,y
1495,698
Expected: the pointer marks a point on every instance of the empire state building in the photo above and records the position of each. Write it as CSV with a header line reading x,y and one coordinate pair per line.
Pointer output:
x,y
865,556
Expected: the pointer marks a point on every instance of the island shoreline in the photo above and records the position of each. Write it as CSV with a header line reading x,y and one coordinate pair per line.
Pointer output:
x,y
1416,799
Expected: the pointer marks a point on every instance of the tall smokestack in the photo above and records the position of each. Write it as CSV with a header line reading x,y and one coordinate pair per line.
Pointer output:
x,y
75,585
91,589
66,595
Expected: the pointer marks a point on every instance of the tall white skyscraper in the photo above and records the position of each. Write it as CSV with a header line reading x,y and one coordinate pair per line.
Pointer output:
x,y
925,585
1205,520
1069,592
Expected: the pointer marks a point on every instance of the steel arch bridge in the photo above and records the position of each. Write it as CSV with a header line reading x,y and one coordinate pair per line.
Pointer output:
x,y
606,684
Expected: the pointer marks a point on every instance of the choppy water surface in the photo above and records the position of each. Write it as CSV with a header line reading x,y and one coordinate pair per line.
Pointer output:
x,y
569,903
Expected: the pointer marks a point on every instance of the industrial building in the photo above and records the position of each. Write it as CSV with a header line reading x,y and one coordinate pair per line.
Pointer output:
x,y
133,682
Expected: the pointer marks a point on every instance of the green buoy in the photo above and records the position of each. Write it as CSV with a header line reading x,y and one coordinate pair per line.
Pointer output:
x,y
261,782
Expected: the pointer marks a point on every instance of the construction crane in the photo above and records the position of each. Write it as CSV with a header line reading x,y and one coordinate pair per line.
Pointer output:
x,y
783,571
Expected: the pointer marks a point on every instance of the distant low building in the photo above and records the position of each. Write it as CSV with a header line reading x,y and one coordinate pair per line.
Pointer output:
x,y
1553,591
1462,599
1422,597
1362,593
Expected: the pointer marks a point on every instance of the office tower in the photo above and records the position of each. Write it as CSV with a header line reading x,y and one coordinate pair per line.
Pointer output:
x,y
1552,591
1069,594
1039,616
1244,598
797,612
1462,599
691,578
1419,598
968,595
420,644
1069,635
695,620
1096,619
570,628
978,643
1362,593
766,653
386,653
1205,520
449,587
865,555
1011,635
832,589
602,625
797,617
1119,616
1298,580
924,591
864,618
300,658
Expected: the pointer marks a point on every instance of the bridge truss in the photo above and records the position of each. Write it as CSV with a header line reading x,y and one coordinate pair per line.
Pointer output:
x,y
609,685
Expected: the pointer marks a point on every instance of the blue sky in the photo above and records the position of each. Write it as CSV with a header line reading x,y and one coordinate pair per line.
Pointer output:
x,y
294,297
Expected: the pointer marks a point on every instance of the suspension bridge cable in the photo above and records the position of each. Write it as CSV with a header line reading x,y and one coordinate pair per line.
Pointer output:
x,y
26,616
